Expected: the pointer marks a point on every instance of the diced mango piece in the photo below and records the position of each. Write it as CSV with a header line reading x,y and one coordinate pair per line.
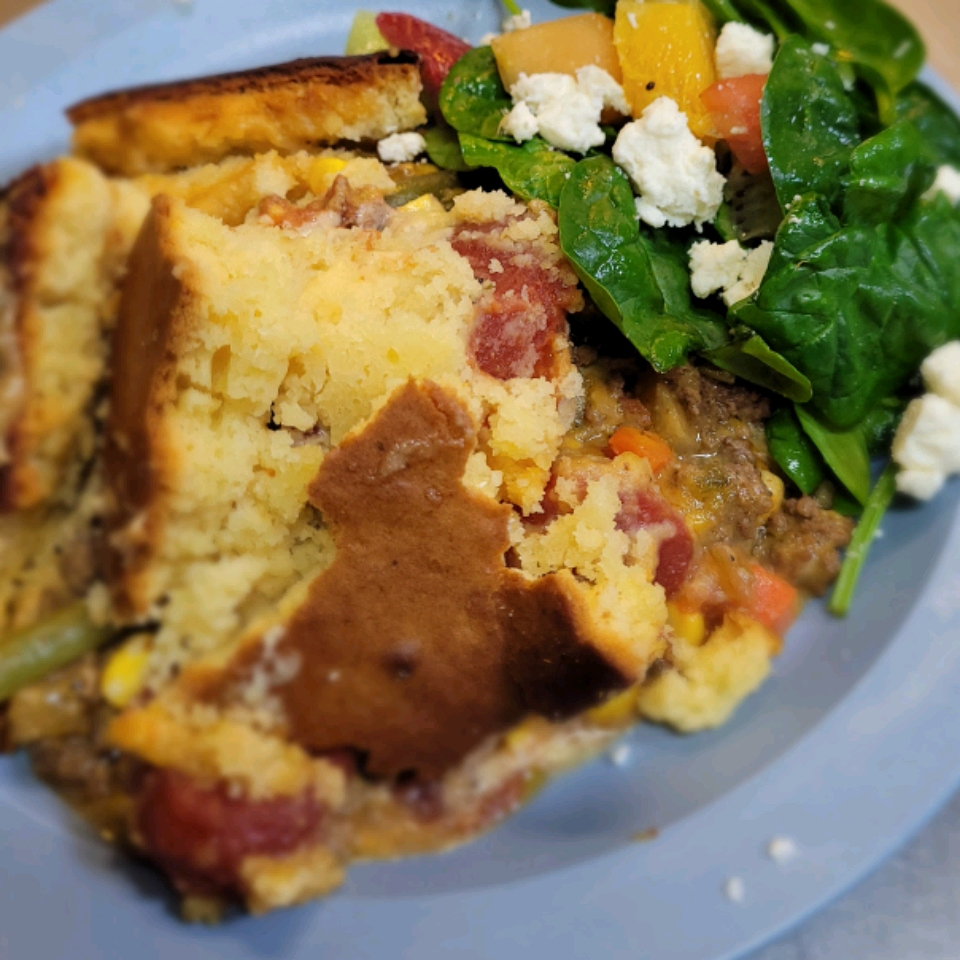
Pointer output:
x,y
559,46
667,50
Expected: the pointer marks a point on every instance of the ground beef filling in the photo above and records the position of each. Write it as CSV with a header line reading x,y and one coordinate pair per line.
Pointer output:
x,y
801,540
342,206
720,489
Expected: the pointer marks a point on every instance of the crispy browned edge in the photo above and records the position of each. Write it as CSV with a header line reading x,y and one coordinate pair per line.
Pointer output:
x,y
142,350
335,71
23,199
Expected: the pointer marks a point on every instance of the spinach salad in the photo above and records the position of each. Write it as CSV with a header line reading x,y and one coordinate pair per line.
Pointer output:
x,y
861,284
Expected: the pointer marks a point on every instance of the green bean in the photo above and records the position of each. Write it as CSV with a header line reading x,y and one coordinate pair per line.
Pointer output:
x,y
876,506
29,655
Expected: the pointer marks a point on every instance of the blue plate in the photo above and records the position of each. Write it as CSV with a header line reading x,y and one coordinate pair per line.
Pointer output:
x,y
847,750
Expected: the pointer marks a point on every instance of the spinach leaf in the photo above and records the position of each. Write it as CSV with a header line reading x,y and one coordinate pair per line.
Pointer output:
x,y
877,505
808,221
751,359
473,98
880,41
938,125
607,7
725,224
888,173
723,11
843,451
533,171
638,278
751,207
766,14
793,451
845,505
881,424
443,148
809,123
859,308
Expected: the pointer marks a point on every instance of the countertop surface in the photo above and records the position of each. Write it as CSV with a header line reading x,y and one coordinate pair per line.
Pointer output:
x,y
909,908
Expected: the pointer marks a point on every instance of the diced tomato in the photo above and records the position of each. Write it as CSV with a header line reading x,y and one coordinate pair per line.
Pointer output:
x,y
520,319
200,835
774,602
644,444
647,508
735,105
438,50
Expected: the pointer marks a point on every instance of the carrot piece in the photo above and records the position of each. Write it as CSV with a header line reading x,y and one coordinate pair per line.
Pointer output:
x,y
774,602
646,445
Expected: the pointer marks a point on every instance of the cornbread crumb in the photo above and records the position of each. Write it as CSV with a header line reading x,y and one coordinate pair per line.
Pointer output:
x,y
274,882
735,890
782,850
625,607
710,681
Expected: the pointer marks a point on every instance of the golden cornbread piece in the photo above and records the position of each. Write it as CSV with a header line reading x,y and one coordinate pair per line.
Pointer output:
x,y
244,354
288,107
54,225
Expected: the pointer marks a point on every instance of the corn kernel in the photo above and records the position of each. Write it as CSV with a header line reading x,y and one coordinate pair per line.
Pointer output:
x,y
524,734
618,711
322,171
428,203
122,677
775,485
688,626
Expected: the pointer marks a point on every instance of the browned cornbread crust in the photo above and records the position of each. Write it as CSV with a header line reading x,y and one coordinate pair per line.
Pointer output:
x,y
418,642
134,452
288,107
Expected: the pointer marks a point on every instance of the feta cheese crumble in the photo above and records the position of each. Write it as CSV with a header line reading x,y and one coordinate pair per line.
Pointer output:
x,y
728,267
927,444
597,84
519,21
941,372
672,171
401,147
735,890
782,850
520,123
620,755
564,110
947,183
741,50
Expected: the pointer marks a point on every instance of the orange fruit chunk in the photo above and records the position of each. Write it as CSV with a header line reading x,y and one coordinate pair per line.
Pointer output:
x,y
667,50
